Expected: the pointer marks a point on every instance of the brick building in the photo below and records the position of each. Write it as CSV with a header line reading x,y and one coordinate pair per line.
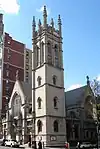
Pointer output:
x,y
13,60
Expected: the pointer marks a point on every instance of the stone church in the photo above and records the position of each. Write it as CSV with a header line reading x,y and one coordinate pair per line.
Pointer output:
x,y
38,112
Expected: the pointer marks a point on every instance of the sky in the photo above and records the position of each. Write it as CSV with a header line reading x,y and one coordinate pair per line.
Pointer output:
x,y
80,28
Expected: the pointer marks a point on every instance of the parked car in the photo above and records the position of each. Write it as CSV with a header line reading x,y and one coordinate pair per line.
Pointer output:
x,y
12,143
2,142
84,145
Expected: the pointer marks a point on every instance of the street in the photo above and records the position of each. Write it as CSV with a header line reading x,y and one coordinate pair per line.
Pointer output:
x,y
3,147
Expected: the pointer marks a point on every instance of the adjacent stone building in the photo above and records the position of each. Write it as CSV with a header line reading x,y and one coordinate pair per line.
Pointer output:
x,y
81,114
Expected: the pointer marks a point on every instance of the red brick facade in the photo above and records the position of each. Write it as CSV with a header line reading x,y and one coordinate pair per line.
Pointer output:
x,y
13,60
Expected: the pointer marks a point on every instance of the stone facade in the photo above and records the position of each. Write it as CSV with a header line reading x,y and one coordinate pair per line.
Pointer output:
x,y
15,125
48,83
81,115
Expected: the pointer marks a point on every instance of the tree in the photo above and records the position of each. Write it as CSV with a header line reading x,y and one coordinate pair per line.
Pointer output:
x,y
95,85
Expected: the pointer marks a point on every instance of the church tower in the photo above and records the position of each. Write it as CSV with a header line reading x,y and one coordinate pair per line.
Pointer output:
x,y
48,98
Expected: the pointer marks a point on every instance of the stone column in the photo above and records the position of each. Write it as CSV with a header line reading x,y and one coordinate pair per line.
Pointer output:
x,y
23,109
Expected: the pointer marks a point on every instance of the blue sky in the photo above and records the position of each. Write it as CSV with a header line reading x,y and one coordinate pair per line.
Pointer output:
x,y
81,32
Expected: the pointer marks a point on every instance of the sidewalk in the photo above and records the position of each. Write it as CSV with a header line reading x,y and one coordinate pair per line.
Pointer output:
x,y
25,146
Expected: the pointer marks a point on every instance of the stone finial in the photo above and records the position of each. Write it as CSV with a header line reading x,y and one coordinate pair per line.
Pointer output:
x,y
45,17
88,81
33,26
39,22
52,23
59,25
59,20
39,25
45,12
17,75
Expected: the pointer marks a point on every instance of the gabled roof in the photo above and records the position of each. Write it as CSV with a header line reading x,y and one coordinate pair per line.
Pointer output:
x,y
76,96
23,89
27,89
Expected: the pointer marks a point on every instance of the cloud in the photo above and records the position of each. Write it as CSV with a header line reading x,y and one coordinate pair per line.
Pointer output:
x,y
9,6
74,86
98,78
42,8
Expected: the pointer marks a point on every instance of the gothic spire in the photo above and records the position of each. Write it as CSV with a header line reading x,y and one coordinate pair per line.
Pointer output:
x,y
33,26
45,17
59,25
39,22
39,25
52,23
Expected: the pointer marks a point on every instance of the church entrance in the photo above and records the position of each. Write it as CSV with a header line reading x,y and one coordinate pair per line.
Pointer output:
x,y
29,140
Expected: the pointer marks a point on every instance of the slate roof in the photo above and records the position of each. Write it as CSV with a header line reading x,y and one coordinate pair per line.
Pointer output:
x,y
27,89
75,96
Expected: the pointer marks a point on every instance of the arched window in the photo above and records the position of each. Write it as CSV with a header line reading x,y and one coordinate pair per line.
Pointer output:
x,y
55,125
55,102
56,50
49,52
39,80
42,52
49,47
37,55
39,103
56,55
39,125
17,105
54,79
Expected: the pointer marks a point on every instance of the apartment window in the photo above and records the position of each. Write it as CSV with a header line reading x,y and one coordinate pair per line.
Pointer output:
x,y
8,50
9,41
27,73
7,97
26,79
27,60
9,56
27,54
7,66
7,73
7,88
7,81
27,67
